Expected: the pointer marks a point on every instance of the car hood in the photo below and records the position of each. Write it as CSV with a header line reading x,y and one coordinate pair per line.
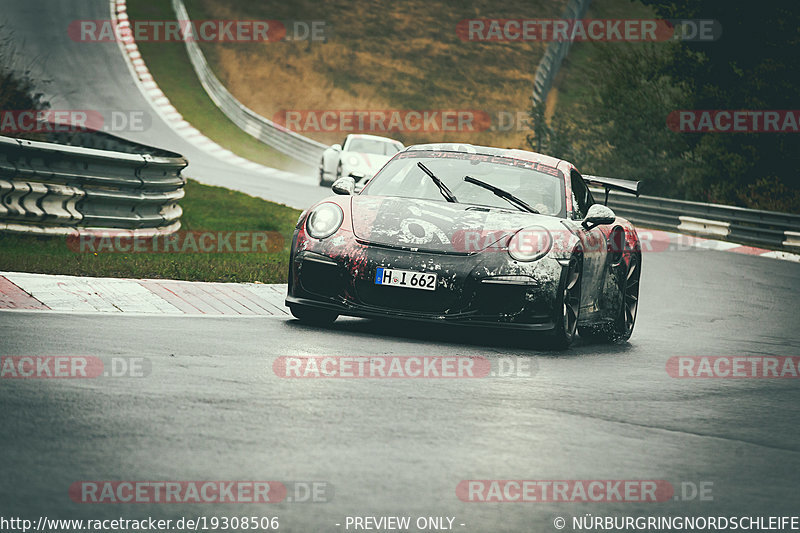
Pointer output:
x,y
368,163
425,225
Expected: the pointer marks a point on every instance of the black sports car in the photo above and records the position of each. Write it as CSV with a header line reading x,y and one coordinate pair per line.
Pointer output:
x,y
471,235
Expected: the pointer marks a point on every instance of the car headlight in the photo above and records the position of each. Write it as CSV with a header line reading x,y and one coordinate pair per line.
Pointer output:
x,y
353,160
324,220
530,244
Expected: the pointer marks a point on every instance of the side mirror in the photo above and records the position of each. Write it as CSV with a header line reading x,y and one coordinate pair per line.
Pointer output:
x,y
357,176
598,215
337,147
345,185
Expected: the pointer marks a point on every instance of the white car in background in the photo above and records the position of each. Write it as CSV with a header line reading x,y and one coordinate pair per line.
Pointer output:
x,y
362,155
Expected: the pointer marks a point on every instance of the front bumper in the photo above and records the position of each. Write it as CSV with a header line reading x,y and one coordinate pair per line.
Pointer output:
x,y
484,289
364,312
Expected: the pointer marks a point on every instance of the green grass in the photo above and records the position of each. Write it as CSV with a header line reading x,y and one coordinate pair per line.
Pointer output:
x,y
205,208
169,64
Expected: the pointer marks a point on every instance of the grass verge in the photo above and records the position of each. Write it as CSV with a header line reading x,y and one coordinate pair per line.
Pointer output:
x,y
169,64
205,208
382,56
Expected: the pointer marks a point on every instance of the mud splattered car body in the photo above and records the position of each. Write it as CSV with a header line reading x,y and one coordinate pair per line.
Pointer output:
x,y
545,260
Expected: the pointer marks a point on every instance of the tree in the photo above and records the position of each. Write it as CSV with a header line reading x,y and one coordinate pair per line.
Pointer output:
x,y
751,66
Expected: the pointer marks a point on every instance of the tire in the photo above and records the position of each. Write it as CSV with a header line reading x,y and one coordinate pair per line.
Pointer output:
x,y
322,181
568,305
621,328
310,315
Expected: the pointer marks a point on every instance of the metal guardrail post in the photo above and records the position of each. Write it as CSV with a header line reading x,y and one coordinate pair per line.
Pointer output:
x,y
555,53
278,137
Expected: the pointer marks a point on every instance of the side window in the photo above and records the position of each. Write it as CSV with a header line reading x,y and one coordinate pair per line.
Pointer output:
x,y
581,196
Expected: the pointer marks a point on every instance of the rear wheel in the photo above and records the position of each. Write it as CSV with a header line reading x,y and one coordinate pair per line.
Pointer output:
x,y
626,319
621,328
310,315
569,305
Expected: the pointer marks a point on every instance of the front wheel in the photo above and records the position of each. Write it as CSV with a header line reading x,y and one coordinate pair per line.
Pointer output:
x,y
626,318
322,173
568,305
310,315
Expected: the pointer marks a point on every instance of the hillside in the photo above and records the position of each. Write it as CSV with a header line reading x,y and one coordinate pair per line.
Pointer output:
x,y
382,56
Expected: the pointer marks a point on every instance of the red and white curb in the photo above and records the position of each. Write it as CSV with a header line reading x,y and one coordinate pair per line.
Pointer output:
x,y
162,106
71,294
652,240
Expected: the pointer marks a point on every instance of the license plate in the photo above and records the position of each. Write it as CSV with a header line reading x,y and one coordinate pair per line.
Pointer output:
x,y
406,278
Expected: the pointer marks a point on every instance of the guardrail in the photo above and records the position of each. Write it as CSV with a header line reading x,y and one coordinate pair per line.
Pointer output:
x,y
555,53
762,228
278,137
738,224
90,182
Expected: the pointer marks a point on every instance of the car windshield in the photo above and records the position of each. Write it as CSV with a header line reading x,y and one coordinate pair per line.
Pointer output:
x,y
539,186
372,146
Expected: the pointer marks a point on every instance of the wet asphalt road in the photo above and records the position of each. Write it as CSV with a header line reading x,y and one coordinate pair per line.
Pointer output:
x,y
213,409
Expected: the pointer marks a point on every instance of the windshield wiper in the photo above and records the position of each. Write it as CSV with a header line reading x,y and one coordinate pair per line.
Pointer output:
x,y
505,195
446,192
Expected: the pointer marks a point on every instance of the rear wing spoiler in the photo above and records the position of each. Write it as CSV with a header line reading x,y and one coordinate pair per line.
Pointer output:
x,y
616,184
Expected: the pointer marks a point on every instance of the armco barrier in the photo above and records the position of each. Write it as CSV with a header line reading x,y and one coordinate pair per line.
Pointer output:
x,y
762,228
286,141
103,184
738,224
555,53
